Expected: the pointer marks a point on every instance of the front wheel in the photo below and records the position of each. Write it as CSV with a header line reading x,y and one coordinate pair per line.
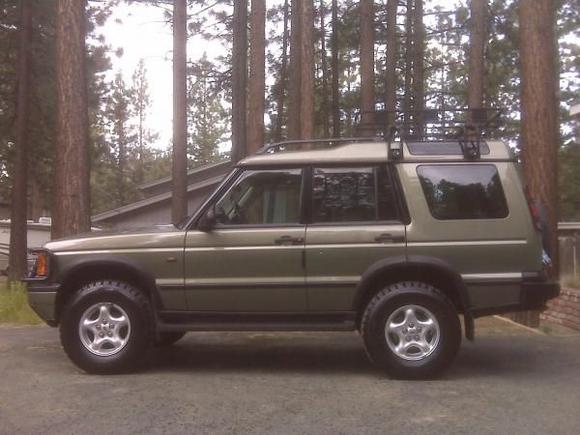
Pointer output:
x,y
411,330
107,327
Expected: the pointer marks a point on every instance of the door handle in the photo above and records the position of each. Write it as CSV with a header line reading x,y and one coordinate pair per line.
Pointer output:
x,y
388,238
289,240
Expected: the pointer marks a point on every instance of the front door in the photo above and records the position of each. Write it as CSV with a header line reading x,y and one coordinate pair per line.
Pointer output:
x,y
252,260
354,223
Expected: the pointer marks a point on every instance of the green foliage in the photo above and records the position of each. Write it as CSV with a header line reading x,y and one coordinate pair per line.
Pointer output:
x,y
570,182
208,119
14,306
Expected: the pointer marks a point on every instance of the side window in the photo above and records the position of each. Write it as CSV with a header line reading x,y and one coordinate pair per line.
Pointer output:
x,y
262,198
463,191
353,194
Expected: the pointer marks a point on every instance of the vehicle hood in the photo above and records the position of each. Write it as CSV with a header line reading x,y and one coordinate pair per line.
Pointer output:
x,y
160,236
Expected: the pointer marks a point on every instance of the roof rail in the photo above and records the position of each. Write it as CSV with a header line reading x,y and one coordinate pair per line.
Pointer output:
x,y
310,144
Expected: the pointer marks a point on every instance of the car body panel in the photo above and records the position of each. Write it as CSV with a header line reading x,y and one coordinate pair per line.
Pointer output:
x,y
243,269
338,255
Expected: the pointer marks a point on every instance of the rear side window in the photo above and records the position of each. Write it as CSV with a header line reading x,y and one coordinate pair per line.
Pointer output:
x,y
463,191
357,194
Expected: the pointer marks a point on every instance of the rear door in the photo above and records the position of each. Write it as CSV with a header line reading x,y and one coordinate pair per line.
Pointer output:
x,y
354,222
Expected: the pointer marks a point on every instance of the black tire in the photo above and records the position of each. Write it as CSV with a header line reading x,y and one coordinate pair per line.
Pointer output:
x,y
393,300
139,334
165,339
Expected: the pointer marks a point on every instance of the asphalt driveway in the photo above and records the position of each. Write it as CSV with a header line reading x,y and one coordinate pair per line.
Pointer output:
x,y
508,381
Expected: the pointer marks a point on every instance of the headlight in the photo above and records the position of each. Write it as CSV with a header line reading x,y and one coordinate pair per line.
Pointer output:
x,y
38,264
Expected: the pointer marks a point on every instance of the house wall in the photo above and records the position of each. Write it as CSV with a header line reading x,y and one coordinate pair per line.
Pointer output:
x,y
154,214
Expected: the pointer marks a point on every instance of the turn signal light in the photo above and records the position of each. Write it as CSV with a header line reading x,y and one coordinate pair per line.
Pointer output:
x,y
41,269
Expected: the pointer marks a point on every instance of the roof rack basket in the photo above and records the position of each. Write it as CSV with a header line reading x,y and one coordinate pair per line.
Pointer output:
x,y
466,126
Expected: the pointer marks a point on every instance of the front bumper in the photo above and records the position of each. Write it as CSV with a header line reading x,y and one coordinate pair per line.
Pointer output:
x,y
42,299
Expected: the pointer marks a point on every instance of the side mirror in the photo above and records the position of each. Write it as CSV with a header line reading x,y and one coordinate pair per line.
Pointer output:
x,y
207,221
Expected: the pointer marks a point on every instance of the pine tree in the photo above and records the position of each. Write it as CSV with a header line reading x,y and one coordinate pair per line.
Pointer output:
x,y
206,115
301,104
257,84
179,178
239,79
18,229
141,103
367,63
71,211
476,53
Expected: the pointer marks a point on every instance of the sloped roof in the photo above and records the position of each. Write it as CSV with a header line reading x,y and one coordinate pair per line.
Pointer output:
x,y
198,178
194,175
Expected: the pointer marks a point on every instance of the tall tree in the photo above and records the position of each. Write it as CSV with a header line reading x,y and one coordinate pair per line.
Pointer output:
x,y
301,104
257,85
207,115
539,120
391,62
18,230
478,24
367,62
71,191
539,110
239,79
334,72
409,57
418,67
179,188
120,137
281,91
141,104
325,102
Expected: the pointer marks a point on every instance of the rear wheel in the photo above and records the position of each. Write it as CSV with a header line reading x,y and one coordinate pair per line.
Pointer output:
x,y
411,330
107,327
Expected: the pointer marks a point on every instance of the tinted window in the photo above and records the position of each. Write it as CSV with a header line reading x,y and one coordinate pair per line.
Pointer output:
x,y
352,195
262,197
463,191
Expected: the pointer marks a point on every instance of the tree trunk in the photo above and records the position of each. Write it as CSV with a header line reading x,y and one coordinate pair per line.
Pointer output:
x,y
71,206
239,79
18,229
539,113
301,122
335,72
179,187
257,87
325,103
418,68
409,56
283,76
391,63
367,66
476,53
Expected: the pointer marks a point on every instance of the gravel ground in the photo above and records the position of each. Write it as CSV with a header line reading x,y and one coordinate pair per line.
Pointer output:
x,y
509,381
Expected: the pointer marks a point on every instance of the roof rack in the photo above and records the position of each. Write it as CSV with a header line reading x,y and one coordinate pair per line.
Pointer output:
x,y
313,144
466,126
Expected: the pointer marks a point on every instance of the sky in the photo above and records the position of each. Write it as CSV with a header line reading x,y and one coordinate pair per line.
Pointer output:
x,y
142,33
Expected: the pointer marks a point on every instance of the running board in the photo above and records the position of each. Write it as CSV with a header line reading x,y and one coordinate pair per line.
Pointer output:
x,y
175,321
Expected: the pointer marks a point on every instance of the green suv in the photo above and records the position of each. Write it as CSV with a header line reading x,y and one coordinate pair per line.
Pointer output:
x,y
394,240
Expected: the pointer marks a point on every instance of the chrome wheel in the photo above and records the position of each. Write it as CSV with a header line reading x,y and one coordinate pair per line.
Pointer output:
x,y
412,332
104,329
